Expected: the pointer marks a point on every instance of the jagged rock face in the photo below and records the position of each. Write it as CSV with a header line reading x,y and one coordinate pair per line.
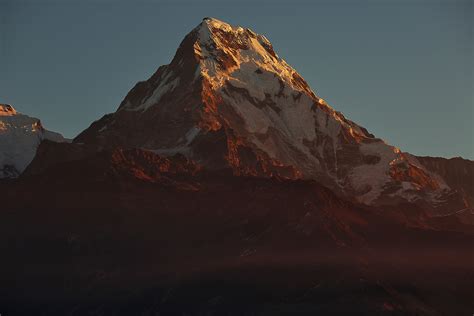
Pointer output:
x,y
227,100
118,165
20,136
457,172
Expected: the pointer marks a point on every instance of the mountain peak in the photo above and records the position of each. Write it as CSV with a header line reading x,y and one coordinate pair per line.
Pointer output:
x,y
233,54
227,100
210,27
210,22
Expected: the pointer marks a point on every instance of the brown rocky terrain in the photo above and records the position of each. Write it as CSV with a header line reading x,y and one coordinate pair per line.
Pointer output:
x,y
127,231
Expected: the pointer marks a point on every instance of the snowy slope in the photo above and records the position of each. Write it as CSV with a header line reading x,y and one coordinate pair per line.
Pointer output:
x,y
20,135
228,100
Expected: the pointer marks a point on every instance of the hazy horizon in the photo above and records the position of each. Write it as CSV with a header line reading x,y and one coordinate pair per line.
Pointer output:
x,y
402,70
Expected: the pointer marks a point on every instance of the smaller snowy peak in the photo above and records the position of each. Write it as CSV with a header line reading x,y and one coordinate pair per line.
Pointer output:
x,y
7,110
20,136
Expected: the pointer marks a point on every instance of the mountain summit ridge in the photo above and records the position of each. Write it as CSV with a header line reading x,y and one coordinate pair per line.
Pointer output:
x,y
227,100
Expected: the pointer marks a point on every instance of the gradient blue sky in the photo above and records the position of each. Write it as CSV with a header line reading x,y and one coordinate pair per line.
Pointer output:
x,y
403,69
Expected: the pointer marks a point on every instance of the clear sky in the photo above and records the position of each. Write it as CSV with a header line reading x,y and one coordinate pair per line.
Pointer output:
x,y
401,68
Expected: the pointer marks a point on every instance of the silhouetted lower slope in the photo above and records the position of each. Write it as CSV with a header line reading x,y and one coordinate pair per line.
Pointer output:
x,y
127,232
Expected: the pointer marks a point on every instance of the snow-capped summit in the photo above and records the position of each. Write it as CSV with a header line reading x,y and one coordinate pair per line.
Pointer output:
x,y
239,55
20,136
227,100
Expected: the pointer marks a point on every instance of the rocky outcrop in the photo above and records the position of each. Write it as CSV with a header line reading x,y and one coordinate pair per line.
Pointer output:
x,y
459,175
